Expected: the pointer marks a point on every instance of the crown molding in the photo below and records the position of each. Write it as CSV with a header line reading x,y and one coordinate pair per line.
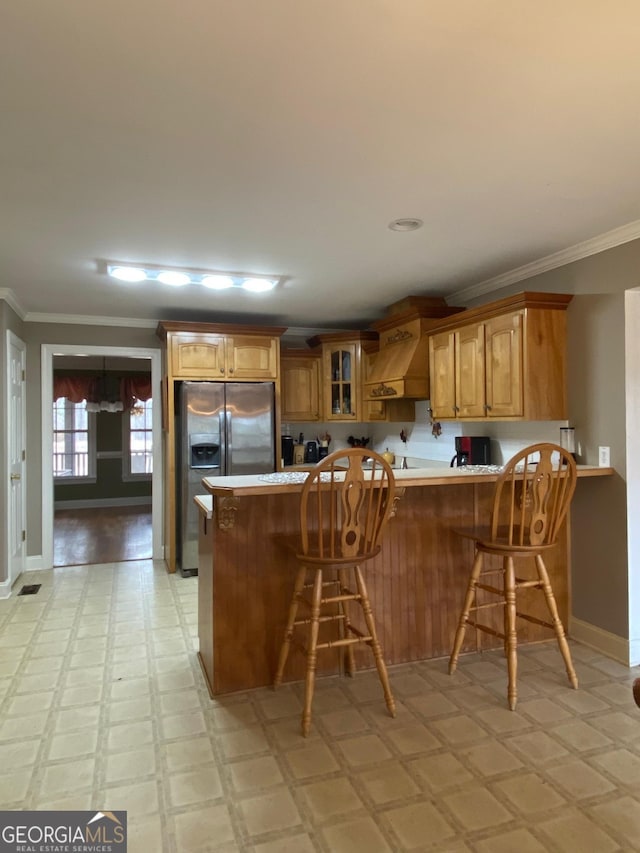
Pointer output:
x,y
88,320
10,298
608,240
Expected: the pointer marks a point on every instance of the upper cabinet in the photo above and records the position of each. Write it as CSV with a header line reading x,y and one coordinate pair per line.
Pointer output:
x,y
342,374
196,356
212,351
300,385
457,363
505,360
252,357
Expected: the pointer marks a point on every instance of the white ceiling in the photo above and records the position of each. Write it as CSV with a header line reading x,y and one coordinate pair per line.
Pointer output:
x,y
282,136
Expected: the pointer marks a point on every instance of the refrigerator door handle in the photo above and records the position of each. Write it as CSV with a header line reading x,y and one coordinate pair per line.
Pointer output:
x,y
223,443
229,441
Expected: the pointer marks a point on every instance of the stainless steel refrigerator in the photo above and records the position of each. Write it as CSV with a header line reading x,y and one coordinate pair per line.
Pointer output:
x,y
225,428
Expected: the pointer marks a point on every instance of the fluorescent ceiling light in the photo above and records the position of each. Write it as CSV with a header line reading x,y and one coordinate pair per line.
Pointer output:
x,y
217,282
128,273
258,285
175,279
211,279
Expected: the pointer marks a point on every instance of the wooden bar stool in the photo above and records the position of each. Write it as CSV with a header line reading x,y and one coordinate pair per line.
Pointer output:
x,y
343,511
531,500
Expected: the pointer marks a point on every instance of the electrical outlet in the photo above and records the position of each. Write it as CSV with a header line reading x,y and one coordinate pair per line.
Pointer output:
x,y
604,457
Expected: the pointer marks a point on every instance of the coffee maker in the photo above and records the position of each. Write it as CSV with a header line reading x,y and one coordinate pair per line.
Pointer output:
x,y
472,450
311,452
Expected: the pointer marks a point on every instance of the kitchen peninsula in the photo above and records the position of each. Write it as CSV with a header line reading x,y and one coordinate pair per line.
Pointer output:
x,y
416,584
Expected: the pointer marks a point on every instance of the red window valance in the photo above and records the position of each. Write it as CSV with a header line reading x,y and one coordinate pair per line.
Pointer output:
x,y
94,389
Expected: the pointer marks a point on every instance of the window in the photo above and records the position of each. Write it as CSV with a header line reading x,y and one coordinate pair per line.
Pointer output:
x,y
137,443
74,442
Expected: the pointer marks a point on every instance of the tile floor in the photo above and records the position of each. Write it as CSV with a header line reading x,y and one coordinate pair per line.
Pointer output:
x,y
102,705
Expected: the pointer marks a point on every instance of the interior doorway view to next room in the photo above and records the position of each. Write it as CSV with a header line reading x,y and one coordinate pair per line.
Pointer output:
x,y
101,452
102,459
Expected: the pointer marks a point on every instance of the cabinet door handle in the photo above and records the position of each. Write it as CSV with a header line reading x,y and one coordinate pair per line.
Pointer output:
x,y
231,370
487,408
222,370
456,409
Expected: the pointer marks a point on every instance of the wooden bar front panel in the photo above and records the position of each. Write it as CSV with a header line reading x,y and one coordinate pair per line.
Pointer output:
x,y
416,584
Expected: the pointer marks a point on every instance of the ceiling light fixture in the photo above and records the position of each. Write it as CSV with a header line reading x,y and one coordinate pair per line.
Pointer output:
x,y
175,279
406,224
211,279
127,273
217,282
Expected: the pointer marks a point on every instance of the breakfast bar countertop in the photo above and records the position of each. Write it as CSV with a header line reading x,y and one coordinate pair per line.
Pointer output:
x,y
290,481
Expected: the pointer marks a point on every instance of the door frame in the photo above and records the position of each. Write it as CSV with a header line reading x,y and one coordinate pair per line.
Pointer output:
x,y
157,480
13,340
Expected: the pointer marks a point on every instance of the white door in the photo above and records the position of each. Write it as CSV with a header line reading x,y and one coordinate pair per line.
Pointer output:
x,y
16,436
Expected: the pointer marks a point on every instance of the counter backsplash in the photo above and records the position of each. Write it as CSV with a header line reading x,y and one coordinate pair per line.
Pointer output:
x,y
421,445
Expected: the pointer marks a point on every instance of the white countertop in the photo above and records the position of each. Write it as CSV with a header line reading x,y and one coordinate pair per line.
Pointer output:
x,y
204,504
256,484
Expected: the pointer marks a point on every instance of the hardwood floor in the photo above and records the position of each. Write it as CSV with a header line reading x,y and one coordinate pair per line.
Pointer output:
x,y
104,535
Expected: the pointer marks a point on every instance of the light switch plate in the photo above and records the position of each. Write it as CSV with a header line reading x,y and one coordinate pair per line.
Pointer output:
x,y
604,457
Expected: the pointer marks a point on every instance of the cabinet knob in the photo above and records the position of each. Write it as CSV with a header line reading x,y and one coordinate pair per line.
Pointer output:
x,y
456,408
231,370
222,370
487,407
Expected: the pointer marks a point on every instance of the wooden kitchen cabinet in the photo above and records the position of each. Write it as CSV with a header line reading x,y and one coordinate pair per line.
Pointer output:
x,y
457,361
342,374
507,362
504,367
300,384
196,356
214,356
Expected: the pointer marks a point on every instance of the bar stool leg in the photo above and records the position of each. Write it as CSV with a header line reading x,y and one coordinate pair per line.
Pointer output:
x,y
312,652
288,633
375,645
464,616
349,658
510,629
557,623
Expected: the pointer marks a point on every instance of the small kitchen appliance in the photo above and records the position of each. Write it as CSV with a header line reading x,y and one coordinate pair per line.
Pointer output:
x,y
311,452
472,450
287,450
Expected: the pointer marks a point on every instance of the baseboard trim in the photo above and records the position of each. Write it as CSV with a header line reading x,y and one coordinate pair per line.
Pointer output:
x,y
35,563
602,641
5,589
144,500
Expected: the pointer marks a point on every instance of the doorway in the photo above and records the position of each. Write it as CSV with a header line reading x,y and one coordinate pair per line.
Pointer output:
x,y
49,351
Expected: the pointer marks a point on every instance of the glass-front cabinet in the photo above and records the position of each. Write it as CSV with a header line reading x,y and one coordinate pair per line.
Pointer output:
x,y
342,362
342,374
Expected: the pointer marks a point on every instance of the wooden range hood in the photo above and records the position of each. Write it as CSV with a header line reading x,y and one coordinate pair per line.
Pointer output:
x,y
401,366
